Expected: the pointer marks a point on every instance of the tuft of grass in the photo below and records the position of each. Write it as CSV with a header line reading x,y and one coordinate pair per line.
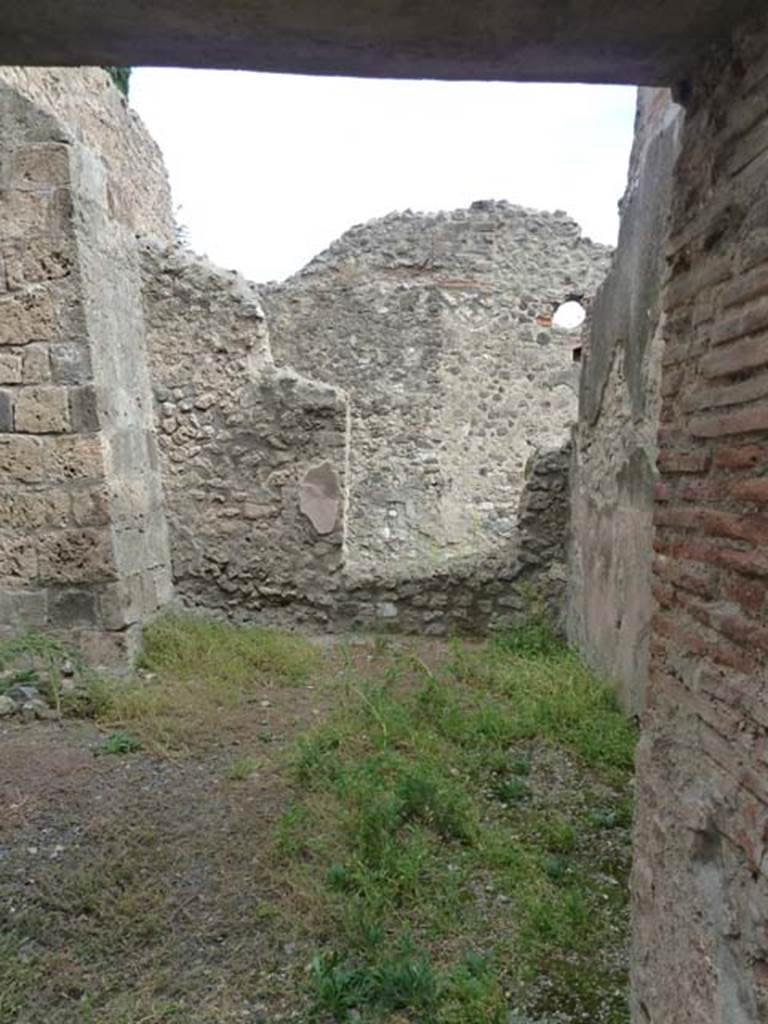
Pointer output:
x,y
196,673
120,742
188,647
242,768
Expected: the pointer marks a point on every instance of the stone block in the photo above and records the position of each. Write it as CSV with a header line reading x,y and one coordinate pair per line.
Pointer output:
x,y
121,604
21,459
74,458
18,559
76,556
35,260
70,608
34,213
128,451
6,411
26,317
23,609
31,510
114,651
71,363
91,507
36,365
42,410
10,368
83,408
41,165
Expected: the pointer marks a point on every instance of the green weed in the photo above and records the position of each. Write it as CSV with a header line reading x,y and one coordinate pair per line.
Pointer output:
x,y
121,742
242,768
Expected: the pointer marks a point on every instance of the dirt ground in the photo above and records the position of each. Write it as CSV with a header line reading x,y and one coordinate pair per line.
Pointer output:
x,y
144,889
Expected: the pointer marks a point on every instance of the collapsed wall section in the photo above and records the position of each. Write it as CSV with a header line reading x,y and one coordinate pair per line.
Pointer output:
x,y
439,327
700,882
615,439
253,456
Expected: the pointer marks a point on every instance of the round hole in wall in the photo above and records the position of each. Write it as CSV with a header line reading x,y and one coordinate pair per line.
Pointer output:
x,y
569,315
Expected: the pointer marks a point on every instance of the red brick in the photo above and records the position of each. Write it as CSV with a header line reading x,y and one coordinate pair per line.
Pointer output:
x,y
741,456
753,529
750,490
683,518
700,277
749,594
669,624
742,355
750,528
663,593
661,492
671,381
691,577
671,461
749,563
742,422
702,490
746,287
744,631
749,390
737,325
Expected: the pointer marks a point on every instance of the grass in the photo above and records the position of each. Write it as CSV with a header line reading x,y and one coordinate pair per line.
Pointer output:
x,y
449,845
195,674
430,789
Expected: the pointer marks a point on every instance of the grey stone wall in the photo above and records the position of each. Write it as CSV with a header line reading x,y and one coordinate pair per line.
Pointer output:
x,y
477,594
253,456
615,441
439,328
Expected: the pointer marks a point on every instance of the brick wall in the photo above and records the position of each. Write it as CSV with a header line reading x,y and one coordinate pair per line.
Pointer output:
x,y
700,880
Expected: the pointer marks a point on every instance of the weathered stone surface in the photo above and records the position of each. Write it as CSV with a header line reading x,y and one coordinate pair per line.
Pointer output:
x,y
21,459
71,363
10,368
433,324
36,365
237,436
320,497
42,410
75,556
26,318
85,100
614,468
78,458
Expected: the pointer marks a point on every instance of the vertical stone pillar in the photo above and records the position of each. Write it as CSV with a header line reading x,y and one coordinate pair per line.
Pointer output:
x,y
83,552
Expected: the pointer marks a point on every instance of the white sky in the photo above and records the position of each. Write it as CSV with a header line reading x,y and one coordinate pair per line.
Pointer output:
x,y
267,170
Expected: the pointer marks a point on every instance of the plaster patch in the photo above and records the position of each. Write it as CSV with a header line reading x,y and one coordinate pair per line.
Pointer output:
x,y
320,497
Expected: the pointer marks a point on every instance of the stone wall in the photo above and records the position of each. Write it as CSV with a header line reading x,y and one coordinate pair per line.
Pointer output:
x,y
83,539
439,328
89,110
614,468
701,856
253,457
477,594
